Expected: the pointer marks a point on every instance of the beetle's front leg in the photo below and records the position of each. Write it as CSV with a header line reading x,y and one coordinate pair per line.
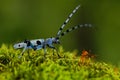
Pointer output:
x,y
51,46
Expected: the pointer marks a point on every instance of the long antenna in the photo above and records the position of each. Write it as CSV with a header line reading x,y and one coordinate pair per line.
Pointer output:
x,y
73,28
67,20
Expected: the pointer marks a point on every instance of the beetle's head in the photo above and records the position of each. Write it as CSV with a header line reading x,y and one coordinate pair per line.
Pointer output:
x,y
56,40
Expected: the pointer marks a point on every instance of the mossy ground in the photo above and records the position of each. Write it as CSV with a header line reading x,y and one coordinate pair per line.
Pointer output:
x,y
34,66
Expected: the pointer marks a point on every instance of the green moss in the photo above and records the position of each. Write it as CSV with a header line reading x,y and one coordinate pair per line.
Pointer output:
x,y
33,66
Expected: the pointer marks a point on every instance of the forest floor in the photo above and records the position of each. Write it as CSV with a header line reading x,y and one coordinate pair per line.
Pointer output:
x,y
70,66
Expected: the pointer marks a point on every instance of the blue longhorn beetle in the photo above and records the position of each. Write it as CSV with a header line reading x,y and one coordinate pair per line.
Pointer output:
x,y
38,44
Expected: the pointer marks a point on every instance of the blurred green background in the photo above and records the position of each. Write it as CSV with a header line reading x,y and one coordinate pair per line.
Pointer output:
x,y
27,19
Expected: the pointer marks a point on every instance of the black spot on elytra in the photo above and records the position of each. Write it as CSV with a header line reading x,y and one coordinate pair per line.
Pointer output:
x,y
19,45
28,43
38,42
25,41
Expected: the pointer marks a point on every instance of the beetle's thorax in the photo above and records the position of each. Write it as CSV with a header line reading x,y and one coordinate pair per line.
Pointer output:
x,y
52,40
